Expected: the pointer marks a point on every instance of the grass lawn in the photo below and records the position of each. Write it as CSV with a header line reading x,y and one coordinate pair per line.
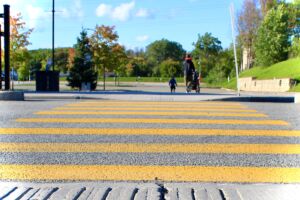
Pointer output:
x,y
286,69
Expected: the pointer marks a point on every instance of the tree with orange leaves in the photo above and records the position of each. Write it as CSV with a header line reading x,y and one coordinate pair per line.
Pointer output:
x,y
19,40
109,55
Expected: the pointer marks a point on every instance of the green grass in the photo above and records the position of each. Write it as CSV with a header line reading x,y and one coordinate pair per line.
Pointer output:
x,y
285,69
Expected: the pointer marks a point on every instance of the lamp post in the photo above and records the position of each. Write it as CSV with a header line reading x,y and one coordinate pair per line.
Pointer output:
x,y
53,23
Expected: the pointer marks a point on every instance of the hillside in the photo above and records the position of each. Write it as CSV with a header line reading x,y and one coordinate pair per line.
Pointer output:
x,y
286,69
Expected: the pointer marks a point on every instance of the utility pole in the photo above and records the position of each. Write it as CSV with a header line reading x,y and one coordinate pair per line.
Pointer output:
x,y
234,49
53,23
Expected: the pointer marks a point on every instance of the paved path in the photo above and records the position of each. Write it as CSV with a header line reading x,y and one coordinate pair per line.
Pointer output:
x,y
148,149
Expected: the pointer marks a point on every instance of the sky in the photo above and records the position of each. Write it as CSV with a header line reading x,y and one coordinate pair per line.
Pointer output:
x,y
137,22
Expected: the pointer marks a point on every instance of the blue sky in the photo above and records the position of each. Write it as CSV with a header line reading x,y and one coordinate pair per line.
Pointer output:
x,y
138,22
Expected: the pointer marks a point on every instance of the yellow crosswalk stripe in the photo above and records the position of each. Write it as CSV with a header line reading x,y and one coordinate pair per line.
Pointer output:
x,y
152,120
158,106
150,173
157,109
150,131
152,148
161,103
212,114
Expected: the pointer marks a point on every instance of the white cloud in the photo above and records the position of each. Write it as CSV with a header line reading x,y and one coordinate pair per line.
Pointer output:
x,y
74,10
38,17
77,9
36,14
121,12
103,10
142,13
142,38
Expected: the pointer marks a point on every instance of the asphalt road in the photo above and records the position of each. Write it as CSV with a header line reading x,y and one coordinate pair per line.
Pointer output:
x,y
224,142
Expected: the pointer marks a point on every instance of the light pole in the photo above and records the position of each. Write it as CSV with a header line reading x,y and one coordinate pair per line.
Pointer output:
x,y
53,23
234,49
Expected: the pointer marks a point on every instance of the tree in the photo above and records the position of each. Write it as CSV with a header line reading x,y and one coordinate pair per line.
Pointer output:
x,y
207,49
267,5
295,48
35,65
61,59
169,68
274,35
108,54
137,63
119,59
162,50
71,56
297,26
23,65
83,70
18,41
249,19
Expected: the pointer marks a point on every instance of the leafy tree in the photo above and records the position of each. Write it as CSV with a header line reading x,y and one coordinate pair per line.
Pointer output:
x,y
35,65
137,64
169,68
267,5
71,56
207,49
119,59
83,70
297,26
273,40
108,54
249,20
23,65
224,67
18,41
43,55
61,59
162,50
295,48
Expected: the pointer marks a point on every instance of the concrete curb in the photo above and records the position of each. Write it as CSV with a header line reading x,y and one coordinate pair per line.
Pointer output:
x,y
162,97
11,96
268,99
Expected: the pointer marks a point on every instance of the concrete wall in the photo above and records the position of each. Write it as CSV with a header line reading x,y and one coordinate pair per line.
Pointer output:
x,y
272,85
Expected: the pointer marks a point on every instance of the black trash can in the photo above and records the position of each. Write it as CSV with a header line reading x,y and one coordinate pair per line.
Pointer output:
x,y
47,81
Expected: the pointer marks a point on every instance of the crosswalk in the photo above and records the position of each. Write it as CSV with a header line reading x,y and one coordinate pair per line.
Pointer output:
x,y
118,140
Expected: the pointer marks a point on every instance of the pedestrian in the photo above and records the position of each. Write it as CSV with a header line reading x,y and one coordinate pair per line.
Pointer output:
x,y
172,84
188,70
